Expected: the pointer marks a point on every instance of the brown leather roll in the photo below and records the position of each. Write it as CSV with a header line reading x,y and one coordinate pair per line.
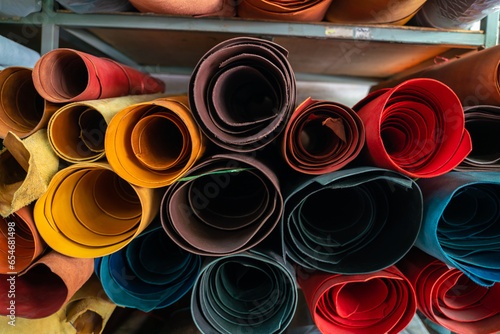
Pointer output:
x,y
373,11
474,77
183,7
284,10
22,110
226,204
65,75
242,93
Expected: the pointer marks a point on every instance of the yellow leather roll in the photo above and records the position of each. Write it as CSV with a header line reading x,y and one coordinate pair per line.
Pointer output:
x,y
22,110
26,167
76,131
152,144
373,11
89,211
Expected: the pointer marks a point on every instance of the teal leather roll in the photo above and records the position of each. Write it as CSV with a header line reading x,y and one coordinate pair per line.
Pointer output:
x,y
461,223
249,292
149,273
351,221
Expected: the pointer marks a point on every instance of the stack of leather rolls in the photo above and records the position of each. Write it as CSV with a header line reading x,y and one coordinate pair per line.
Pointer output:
x,y
246,202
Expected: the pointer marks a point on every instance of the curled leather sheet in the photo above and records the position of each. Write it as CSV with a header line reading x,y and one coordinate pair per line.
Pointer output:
x,y
347,221
152,144
242,93
66,75
181,7
45,286
483,124
149,273
228,203
22,110
449,298
474,77
460,225
76,131
89,211
373,11
452,14
284,10
26,168
415,128
12,53
20,243
248,292
380,302
322,137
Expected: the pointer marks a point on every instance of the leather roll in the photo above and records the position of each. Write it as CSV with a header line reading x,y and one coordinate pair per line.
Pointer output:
x,y
460,215
373,11
242,93
283,10
22,110
483,124
152,144
181,7
20,243
226,204
450,14
45,286
76,131
379,303
346,222
88,311
322,137
474,77
26,168
416,128
248,292
447,297
66,75
150,273
89,211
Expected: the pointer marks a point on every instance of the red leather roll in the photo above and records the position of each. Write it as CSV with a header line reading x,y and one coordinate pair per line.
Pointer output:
x,y
416,128
449,298
284,10
377,303
65,75
322,137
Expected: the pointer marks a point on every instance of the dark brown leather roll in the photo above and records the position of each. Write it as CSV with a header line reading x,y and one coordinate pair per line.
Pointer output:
x,y
242,93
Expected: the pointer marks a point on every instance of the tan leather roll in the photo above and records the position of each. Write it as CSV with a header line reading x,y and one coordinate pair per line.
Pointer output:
x,y
89,211
76,131
22,110
394,12
475,77
26,167
152,144
294,10
182,7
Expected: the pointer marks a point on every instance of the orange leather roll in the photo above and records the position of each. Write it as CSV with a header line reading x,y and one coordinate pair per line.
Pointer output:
x,y
322,137
76,131
20,243
152,144
475,77
285,10
373,11
45,286
183,7
65,75
22,110
26,167
89,211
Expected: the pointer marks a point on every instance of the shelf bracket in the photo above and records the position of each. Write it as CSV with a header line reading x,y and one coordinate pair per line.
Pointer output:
x,y
490,27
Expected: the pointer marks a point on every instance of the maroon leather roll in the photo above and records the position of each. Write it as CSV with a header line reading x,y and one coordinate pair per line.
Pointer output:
x,y
242,93
322,137
224,205
65,75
